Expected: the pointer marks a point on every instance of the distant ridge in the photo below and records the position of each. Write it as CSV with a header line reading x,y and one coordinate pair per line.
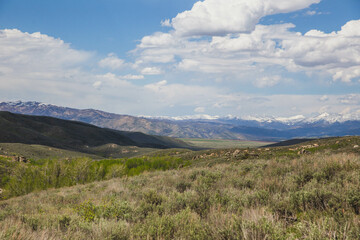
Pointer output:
x,y
170,128
73,135
261,129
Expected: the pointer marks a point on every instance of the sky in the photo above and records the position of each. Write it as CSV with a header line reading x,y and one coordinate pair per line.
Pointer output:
x,y
183,58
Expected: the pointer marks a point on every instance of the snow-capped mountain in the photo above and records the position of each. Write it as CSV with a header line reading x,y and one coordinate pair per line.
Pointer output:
x,y
293,120
184,118
322,117
203,126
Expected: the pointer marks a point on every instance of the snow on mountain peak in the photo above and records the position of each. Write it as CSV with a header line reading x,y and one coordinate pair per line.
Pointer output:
x,y
188,117
292,120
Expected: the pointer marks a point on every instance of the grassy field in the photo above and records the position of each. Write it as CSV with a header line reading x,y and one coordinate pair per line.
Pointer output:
x,y
223,143
307,191
33,151
36,152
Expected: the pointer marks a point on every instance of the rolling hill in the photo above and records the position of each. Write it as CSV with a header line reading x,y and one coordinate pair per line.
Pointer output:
x,y
164,127
72,135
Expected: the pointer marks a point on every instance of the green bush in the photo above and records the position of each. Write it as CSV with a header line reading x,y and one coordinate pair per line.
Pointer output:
x,y
152,197
353,198
115,209
86,210
182,186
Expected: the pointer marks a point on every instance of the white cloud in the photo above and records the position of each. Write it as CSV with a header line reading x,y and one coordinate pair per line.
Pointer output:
x,y
151,71
35,65
336,54
311,13
181,95
221,17
132,77
113,80
27,71
156,86
199,110
324,98
268,81
36,52
351,29
159,58
158,39
97,84
221,102
350,99
166,23
112,62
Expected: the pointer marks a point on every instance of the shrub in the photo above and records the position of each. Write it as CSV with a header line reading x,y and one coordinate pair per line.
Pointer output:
x,y
353,198
31,221
152,197
86,210
119,210
182,186
64,222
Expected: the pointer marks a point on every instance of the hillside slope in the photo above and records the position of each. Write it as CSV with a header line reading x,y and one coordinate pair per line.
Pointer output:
x,y
179,129
272,193
17,128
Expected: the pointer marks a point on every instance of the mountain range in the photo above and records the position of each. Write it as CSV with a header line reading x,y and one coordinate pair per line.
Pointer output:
x,y
250,128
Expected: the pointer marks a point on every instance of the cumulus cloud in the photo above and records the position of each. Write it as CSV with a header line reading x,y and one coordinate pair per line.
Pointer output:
x,y
112,62
166,23
38,67
221,17
151,71
224,37
45,67
36,52
336,53
133,77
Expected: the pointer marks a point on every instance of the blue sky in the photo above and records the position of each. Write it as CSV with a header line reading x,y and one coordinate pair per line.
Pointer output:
x,y
173,58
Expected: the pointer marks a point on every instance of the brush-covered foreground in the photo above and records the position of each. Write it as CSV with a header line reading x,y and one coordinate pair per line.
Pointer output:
x,y
248,194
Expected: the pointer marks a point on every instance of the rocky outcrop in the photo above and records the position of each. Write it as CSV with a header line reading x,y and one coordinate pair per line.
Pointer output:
x,y
19,159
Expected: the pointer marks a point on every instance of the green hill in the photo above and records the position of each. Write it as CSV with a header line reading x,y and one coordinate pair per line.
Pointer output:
x,y
72,135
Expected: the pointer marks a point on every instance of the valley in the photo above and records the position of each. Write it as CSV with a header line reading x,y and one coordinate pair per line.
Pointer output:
x,y
223,143
62,179
180,120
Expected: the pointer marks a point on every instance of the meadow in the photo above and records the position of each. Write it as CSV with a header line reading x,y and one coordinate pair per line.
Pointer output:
x,y
223,143
307,191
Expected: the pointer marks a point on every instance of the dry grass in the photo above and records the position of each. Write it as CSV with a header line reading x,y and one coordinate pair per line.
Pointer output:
x,y
311,197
